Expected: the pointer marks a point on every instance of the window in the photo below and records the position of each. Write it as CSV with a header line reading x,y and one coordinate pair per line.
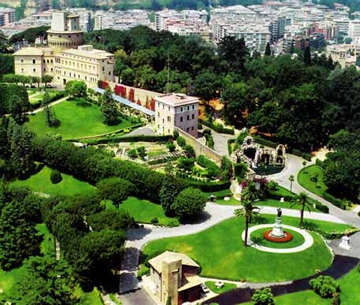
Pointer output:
x,y
158,104
169,119
188,117
181,109
44,61
52,61
109,72
34,61
181,119
103,68
168,108
44,70
70,74
48,61
34,70
192,128
158,114
22,70
163,121
193,116
193,107
187,129
163,106
22,60
188,107
168,130
51,69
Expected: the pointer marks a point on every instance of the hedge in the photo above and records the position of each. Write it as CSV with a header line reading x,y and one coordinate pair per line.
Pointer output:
x,y
336,201
208,186
217,127
258,139
121,138
299,153
229,143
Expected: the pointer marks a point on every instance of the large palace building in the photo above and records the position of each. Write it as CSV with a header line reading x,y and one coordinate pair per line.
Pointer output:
x,y
65,57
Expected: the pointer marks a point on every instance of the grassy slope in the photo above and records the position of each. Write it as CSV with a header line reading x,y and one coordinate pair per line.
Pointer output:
x,y
68,186
226,287
144,211
76,121
305,175
228,257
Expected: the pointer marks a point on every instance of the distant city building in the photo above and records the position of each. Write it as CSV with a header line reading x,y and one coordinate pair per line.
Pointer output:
x,y
176,110
65,58
354,29
9,15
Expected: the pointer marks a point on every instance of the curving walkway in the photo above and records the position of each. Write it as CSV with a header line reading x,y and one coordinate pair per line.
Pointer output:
x,y
214,213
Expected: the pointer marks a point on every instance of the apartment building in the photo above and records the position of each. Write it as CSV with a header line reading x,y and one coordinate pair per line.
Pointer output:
x,y
9,15
178,110
354,29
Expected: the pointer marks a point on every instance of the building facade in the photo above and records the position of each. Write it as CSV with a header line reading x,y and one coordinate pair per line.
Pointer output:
x,y
176,110
66,58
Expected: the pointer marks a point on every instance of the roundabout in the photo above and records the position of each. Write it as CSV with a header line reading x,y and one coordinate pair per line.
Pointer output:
x,y
308,240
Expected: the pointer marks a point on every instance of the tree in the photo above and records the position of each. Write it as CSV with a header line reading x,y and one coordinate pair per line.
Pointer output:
x,y
109,108
46,79
76,88
112,220
55,177
36,80
189,203
304,163
170,146
291,179
47,282
267,50
18,236
263,297
169,190
168,300
116,189
307,56
304,201
141,151
248,210
233,51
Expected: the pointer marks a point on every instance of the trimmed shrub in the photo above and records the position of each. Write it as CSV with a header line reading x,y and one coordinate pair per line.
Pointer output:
x,y
325,286
212,169
132,153
55,176
272,185
189,203
170,146
263,297
189,150
175,134
336,201
181,141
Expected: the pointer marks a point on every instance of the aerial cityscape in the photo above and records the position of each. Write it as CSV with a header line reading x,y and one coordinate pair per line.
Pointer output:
x,y
172,152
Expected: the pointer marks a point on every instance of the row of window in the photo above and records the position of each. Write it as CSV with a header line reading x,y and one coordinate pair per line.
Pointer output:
x,y
181,118
192,107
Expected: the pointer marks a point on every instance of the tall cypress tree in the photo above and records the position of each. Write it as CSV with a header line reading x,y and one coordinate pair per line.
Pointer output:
x,y
307,56
267,50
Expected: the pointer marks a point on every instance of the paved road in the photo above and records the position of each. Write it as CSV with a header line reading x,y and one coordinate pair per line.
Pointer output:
x,y
221,142
145,131
214,213
293,166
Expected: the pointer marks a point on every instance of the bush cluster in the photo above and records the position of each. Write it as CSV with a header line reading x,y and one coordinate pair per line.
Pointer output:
x,y
213,170
336,201
325,286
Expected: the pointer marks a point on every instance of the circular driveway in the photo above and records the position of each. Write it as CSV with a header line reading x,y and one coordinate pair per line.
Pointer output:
x,y
307,243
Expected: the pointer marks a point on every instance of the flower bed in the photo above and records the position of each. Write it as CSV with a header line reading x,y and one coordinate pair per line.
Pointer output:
x,y
287,238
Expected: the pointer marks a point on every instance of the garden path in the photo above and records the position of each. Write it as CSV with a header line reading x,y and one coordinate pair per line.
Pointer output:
x,y
51,104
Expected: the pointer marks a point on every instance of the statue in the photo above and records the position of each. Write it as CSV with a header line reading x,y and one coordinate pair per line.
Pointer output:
x,y
279,212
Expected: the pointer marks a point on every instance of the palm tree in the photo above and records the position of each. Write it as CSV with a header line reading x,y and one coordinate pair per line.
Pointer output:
x,y
291,179
247,211
303,200
249,196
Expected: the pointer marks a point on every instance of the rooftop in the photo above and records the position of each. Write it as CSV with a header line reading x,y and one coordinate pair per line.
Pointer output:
x,y
176,99
88,51
32,51
167,256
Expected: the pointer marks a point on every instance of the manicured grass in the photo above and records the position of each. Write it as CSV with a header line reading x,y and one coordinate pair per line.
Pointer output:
x,y
48,242
68,186
76,121
226,287
281,191
304,178
349,285
144,211
218,194
267,202
89,298
229,259
258,237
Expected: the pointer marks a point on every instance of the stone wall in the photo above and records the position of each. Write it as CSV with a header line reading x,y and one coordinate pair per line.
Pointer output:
x,y
200,149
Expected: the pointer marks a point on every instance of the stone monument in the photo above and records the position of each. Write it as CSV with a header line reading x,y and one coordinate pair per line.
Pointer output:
x,y
345,243
278,231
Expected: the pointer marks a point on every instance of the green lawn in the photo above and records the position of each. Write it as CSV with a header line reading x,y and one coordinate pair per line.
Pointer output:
x,y
48,242
258,237
267,202
349,293
144,211
68,186
229,259
39,97
226,287
76,121
281,191
304,178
